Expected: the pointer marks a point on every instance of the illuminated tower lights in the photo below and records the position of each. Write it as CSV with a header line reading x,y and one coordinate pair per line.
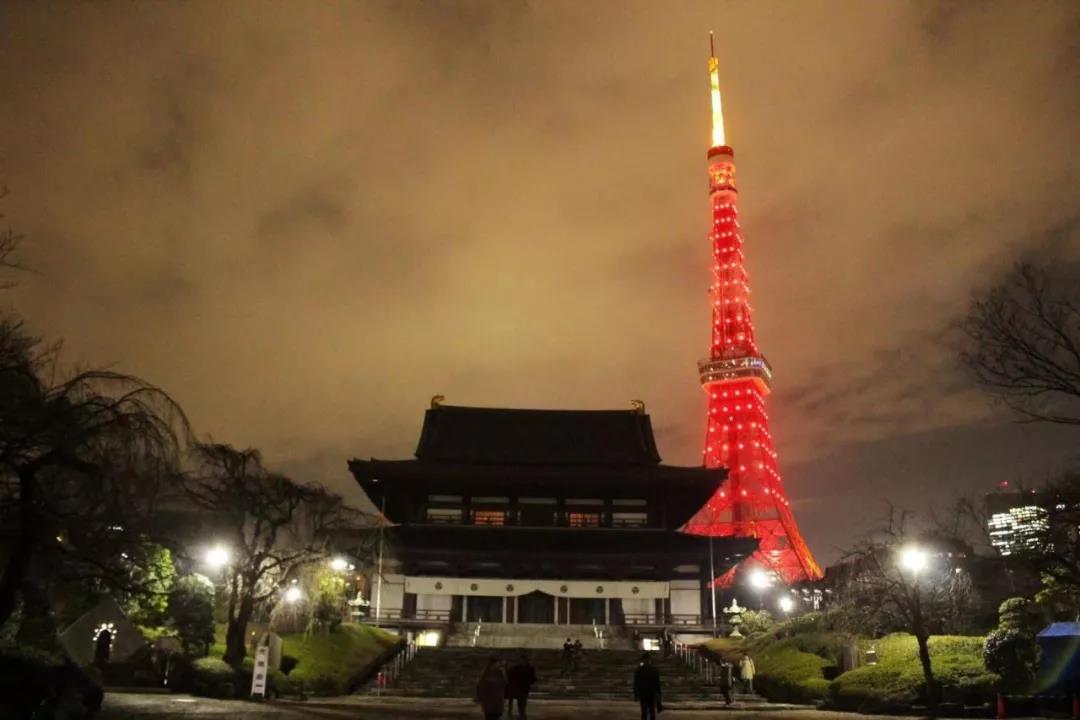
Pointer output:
x,y
736,378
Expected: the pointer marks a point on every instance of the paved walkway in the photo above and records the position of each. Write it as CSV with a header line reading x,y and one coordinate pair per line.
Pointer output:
x,y
182,707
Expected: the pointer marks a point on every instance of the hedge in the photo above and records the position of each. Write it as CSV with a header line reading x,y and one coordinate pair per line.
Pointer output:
x,y
213,677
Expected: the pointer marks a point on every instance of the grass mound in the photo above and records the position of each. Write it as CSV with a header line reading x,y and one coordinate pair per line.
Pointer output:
x,y
331,663
897,679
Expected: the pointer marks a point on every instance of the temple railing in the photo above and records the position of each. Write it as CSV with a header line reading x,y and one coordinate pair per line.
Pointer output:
x,y
676,619
440,616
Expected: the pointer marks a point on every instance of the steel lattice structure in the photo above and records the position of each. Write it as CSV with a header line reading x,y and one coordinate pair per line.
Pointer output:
x,y
737,377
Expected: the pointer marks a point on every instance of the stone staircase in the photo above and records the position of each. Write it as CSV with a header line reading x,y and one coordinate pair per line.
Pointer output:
x,y
515,636
602,674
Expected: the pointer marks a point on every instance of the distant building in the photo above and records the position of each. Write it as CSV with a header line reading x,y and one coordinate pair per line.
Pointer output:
x,y
1018,520
544,516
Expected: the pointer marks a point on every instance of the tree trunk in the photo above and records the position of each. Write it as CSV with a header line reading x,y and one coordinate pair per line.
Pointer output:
x,y
236,632
932,690
18,564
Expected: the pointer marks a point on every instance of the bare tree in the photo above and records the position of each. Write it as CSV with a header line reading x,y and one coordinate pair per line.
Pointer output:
x,y
902,579
1024,344
81,461
278,527
9,243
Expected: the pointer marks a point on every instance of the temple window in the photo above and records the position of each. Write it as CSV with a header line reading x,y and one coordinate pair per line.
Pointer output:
x,y
583,519
489,517
629,519
446,516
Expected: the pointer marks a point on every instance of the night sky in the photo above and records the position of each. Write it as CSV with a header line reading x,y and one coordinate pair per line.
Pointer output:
x,y
305,219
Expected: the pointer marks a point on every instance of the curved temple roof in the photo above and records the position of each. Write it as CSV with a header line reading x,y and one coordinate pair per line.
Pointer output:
x,y
537,437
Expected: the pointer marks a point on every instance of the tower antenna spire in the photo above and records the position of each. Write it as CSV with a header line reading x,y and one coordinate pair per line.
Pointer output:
x,y
714,92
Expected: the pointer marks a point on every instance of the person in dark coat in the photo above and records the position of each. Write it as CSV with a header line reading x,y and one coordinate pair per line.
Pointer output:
x,y
491,689
647,688
519,680
726,680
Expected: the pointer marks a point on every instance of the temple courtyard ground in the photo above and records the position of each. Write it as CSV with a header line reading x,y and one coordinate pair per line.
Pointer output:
x,y
137,706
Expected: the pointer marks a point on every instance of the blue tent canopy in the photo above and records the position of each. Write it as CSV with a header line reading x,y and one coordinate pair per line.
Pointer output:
x,y
1060,629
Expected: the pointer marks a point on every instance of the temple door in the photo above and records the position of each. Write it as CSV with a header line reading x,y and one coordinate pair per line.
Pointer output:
x,y
536,607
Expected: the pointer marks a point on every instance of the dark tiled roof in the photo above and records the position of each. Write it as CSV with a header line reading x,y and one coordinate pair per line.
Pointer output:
x,y
537,437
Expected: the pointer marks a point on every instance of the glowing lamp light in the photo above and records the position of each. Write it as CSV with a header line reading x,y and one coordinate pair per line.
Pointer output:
x,y
914,559
759,579
339,564
786,604
217,556
293,594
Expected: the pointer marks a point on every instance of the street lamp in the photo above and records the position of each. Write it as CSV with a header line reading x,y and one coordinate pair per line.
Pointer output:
x,y
914,559
786,604
759,580
293,594
339,564
217,556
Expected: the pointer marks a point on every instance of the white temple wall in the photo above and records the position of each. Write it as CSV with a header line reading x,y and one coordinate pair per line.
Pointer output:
x,y
685,597
434,602
393,593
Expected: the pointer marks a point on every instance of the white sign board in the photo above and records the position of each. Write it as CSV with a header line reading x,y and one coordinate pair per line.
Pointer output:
x,y
260,671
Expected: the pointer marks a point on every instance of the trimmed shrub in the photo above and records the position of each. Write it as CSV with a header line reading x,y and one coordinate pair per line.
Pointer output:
x,y
209,677
280,684
1012,654
756,623
788,674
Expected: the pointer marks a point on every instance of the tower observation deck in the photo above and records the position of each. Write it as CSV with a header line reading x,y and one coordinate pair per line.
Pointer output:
x,y
736,378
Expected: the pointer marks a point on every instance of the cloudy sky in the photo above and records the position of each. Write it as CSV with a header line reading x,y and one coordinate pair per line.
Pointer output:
x,y
305,219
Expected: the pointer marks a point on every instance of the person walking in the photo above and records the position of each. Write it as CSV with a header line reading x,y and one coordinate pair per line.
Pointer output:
x,y
726,680
491,689
567,655
519,680
747,672
647,688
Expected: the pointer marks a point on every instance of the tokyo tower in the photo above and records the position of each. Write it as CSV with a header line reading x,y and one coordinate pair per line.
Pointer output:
x,y
736,378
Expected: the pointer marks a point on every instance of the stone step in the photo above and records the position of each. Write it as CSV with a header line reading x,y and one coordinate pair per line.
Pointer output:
x,y
452,672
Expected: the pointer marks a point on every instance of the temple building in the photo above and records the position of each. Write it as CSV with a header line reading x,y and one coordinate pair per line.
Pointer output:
x,y
544,517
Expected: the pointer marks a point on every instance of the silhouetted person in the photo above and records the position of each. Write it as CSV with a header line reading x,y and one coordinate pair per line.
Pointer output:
x,y
519,680
491,689
726,680
575,656
647,688
567,655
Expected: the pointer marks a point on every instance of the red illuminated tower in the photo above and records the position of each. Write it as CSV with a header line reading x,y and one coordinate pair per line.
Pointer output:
x,y
736,377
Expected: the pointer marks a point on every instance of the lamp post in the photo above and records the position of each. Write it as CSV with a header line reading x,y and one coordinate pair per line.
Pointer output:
x,y
378,577
712,586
